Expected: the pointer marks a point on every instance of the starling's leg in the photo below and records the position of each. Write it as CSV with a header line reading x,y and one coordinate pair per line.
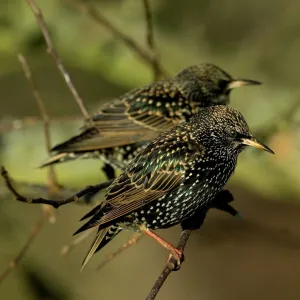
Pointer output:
x,y
177,253
109,171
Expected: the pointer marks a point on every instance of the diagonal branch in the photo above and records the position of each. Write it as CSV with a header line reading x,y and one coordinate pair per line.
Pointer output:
x,y
99,19
51,49
150,39
170,266
33,188
17,124
52,179
54,203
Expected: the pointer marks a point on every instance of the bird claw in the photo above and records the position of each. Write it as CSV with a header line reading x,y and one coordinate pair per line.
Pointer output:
x,y
176,258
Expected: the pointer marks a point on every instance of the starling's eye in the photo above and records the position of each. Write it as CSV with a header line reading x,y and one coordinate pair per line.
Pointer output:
x,y
223,84
239,136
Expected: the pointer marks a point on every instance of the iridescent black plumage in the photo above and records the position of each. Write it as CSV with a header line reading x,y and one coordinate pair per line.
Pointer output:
x,y
123,126
220,201
178,173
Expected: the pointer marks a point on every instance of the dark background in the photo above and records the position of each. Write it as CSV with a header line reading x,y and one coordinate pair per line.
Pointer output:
x,y
254,258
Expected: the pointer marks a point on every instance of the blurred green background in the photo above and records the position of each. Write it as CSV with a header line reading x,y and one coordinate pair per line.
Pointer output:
x,y
254,258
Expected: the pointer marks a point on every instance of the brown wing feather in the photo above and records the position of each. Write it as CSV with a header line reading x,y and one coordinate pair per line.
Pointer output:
x,y
158,169
94,138
139,196
84,142
152,175
152,107
139,115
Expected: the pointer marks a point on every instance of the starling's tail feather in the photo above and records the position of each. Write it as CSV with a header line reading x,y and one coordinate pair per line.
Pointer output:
x,y
96,213
93,139
93,222
94,144
62,157
113,230
102,238
91,213
72,148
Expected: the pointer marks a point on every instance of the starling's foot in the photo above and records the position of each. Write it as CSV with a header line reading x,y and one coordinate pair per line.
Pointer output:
x,y
175,252
179,257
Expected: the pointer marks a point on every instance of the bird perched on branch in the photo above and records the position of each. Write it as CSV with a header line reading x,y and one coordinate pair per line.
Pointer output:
x,y
175,176
121,128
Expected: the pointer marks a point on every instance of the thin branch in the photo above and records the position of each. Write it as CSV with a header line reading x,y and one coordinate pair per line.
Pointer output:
x,y
132,241
34,188
51,49
170,266
17,124
99,19
34,233
54,203
52,178
150,39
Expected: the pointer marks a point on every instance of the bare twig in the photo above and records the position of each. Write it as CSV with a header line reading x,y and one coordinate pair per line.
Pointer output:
x,y
132,241
17,124
41,21
52,179
54,203
33,188
170,266
99,19
150,39
34,233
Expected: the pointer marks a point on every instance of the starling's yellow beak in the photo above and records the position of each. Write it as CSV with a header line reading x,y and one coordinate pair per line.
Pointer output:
x,y
241,82
253,142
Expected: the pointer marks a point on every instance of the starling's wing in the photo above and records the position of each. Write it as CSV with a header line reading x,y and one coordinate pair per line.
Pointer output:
x,y
156,107
158,169
137,116
93,138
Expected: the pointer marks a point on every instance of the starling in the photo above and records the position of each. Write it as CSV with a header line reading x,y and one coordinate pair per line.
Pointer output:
x,y
121,128
177,174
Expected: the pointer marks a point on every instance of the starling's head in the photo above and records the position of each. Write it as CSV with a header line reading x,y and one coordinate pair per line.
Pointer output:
x,y
208,84
225,129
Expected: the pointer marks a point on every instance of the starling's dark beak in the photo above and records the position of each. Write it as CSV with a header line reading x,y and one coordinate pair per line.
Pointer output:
x,y
253,142
241,82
